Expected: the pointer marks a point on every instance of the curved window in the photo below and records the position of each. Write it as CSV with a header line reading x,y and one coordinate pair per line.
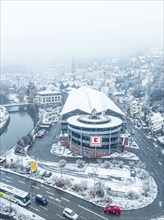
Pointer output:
x,y
75,142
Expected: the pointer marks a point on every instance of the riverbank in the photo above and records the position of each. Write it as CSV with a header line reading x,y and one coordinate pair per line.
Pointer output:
x,y
4,118
20,123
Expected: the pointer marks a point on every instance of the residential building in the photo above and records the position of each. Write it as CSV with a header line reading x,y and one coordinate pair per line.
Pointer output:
x,y
49,97
134,108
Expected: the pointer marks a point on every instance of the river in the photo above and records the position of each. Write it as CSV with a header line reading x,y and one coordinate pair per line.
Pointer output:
x,y
20,124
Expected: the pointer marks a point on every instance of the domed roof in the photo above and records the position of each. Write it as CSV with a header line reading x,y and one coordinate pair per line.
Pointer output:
x,y
86,99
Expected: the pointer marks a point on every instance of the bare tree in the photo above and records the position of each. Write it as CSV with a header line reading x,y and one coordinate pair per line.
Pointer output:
x,y
121,164
131,194
99,186
99,161
62,164
106,164
143,174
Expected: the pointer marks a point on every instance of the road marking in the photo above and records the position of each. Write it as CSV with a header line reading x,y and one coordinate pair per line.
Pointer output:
x,y
160,203
56,204
21,181
92,212
65,199
156,172
50,193
35,187
45,186
58,200
55,199
155,145
8,181
160,163
60,216
8,177
43,207
33,208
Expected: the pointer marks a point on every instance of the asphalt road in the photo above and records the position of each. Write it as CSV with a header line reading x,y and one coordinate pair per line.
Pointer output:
x,y
149,152
57,198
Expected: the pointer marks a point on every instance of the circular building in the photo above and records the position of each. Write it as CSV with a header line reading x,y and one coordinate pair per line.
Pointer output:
x,y
93,135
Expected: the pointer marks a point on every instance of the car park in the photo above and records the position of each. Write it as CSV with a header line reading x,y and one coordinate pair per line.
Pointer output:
x,y
112,210
70,214
41,199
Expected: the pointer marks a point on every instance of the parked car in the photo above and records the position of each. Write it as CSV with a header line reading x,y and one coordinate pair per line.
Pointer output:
x,y
41,199
112,209
70,214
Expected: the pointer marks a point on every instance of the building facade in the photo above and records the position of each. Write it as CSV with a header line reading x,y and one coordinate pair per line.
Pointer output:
x,y
134,108
93,135
49,97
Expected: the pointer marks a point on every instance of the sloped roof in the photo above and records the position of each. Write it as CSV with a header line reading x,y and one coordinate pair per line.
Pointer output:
x,y
86,99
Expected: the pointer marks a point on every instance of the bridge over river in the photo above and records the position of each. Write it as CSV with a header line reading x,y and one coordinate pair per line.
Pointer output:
x,y
14,107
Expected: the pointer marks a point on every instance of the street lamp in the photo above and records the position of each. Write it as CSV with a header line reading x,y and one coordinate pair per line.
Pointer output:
x,y
10,204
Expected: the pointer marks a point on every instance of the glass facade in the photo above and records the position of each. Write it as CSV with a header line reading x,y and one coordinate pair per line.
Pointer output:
x,y
80,137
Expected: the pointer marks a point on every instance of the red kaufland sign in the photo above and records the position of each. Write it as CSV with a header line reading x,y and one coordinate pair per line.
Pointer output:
x,y
95,141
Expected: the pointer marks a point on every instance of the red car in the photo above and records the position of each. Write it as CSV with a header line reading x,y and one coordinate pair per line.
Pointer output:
x,y
112,209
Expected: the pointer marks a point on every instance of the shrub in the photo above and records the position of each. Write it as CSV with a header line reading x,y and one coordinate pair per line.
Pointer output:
x,y
131,194
80,163
106,164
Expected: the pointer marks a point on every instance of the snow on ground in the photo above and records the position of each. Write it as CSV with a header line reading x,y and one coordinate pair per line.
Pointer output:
x,y
18,212
117,179
63,151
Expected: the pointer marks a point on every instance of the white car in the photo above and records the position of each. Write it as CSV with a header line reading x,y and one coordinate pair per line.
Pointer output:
x,y
70,214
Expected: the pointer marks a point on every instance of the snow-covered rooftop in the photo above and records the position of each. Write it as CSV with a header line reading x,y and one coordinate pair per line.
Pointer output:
x,y
86,99
49,92
111,123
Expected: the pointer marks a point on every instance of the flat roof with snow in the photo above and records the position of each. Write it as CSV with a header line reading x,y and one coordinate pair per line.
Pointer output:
x,y
74,120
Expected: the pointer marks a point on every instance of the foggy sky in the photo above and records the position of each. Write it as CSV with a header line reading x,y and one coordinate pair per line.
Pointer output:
x,y
38,32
